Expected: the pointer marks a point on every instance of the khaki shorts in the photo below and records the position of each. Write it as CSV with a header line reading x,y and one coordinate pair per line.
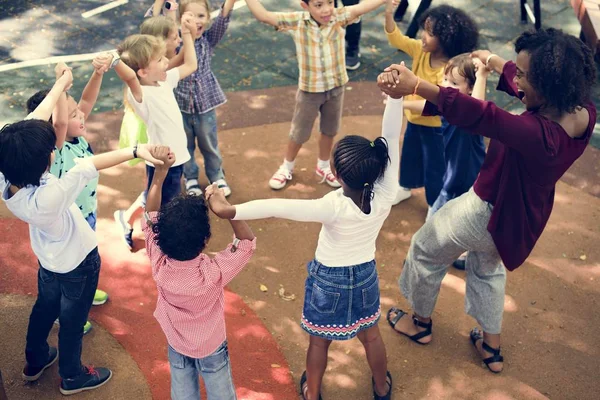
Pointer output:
x,y
308,107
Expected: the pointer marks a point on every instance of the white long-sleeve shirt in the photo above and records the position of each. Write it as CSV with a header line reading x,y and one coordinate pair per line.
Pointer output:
x,y
348,235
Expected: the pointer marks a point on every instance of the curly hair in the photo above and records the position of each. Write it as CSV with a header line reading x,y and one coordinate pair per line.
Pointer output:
x,y
456,31
561,67
183,227
360,163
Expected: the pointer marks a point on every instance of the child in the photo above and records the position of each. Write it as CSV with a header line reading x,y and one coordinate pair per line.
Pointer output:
x,y
200,94
62,240
133,129
319,30
190,287
447,32
464,152
69,125
144,69
341,298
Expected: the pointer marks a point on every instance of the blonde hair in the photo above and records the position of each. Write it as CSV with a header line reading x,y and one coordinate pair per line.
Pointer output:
x,y
137,51
183,5
464,66
160,26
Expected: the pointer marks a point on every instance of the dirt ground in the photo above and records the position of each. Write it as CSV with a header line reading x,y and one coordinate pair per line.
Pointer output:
x,y
550,324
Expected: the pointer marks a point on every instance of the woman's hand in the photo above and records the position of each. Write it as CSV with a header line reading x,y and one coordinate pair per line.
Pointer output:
x,y
397,81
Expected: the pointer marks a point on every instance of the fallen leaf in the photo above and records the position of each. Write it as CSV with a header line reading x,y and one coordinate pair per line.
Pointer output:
x,y
583,257
303,169
275,366
285,295
263,288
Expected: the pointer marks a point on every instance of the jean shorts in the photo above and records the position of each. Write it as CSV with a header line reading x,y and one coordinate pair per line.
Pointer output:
x,y
339,302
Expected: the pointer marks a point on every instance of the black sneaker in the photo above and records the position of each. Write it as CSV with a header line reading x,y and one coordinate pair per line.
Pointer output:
x,y
91,379
125,230
32,374
352,61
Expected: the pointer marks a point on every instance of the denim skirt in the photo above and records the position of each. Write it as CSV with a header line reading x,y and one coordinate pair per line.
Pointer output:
x,y
339,302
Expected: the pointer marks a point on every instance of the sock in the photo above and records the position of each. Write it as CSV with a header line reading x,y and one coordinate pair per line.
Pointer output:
x,y
289,164
190,183
322,164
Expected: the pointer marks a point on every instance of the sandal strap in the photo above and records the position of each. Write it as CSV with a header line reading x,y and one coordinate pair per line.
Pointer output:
x,y
422,324
399,314
496,354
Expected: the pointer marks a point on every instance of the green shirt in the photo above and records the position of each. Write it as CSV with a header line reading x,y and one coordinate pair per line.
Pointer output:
x,y
64,160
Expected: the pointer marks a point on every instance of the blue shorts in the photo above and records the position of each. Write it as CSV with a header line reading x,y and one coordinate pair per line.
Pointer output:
x,y
339,302
171,186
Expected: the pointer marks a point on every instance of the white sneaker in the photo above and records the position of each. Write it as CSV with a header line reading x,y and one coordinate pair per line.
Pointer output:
x,y
327,176
221,184
192,187
402,195
280,178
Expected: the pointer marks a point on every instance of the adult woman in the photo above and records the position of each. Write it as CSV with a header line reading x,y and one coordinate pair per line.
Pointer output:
x,y
501,218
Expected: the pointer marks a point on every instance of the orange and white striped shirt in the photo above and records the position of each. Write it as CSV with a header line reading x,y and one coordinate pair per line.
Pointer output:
x,y
191,300
320,49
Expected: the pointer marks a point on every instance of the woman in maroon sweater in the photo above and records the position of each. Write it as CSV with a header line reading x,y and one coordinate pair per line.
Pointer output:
x,y
502,217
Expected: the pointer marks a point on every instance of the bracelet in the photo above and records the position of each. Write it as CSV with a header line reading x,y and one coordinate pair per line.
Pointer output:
x,y
417,86
487,60
135,151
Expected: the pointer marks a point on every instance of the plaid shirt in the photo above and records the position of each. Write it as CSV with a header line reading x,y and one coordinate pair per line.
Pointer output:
x,y
200,92
191,297
320,50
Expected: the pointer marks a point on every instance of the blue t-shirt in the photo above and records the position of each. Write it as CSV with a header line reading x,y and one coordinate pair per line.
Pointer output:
x,y
64,160
464,153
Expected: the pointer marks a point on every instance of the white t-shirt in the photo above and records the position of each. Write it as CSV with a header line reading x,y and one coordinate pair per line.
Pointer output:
x,y
348,235
60,236
160,113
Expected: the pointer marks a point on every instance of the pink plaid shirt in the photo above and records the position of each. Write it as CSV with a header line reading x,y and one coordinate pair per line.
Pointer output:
x,y
190,306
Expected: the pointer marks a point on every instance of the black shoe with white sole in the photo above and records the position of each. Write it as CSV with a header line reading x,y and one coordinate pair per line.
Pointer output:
x,y
91,378
32,374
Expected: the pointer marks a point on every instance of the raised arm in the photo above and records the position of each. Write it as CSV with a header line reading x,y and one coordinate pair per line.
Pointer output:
x,y
364,7
481,75
493,62
261,14
45,109
163,154
129,77
190,61
90,92
60,120
396,39
390,130
177,60
220,24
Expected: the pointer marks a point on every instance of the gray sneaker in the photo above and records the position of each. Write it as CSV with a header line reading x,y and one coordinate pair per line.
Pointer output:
x,y
352,61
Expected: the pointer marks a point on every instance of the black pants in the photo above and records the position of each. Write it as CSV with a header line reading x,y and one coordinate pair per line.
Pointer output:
x,y
352,30
69,297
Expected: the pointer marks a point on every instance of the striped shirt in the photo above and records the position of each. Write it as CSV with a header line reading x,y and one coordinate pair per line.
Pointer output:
x,y
320,50
191,299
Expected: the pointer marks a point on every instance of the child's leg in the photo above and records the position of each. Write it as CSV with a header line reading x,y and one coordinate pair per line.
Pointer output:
x,y
331,119
434,162
45,310
191,126
78,288
376,356
216,372
316,363
135,210
184,376
411,161
305,113
208,143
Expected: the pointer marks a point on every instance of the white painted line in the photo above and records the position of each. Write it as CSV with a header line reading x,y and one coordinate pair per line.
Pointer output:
x,y
104,8
238,4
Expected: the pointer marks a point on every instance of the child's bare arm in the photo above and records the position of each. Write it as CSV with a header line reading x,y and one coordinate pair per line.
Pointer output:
x,y
160,173
116,157
91,91
177,60
227,7
241,230
45,109
364,7
60,115
261,13
190,61
416,106
128,76
390,24
481,75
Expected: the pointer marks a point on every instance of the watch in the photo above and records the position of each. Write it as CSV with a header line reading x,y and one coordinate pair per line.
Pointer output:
x,y
115,60
135,151
171,5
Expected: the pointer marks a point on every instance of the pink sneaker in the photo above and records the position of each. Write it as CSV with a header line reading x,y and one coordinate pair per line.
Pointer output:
x,y
327,176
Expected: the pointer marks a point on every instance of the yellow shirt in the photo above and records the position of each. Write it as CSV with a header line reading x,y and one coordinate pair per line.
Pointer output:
x,y
319,49
421,67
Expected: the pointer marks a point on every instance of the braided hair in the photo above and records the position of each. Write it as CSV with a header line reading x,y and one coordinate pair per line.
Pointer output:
x,y
360,163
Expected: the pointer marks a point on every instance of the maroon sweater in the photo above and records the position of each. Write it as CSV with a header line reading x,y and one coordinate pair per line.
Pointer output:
x,y
527,155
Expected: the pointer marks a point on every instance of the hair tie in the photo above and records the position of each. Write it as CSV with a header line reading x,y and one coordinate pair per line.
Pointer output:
x,y
372,144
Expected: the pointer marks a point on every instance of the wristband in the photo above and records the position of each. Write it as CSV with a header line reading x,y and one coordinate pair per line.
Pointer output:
x,y
171,5
487,60
115,60
135,151
417,86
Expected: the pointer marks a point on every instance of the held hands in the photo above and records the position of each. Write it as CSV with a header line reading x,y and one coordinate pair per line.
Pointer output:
x,y
102,62
397,81
482,55
390,5
215,198
147,151
64,76
481,71
164,154
187,24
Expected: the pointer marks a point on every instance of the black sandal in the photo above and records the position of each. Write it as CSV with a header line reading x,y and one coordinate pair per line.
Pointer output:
x,y
388,395
302,382
415,338
475,336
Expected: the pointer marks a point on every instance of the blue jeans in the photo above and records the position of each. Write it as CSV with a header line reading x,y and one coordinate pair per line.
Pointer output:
x,y
202,128
69,297
171,186
214,369
422,162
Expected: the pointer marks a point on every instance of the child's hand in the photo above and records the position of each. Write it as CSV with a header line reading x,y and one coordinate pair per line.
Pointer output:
x,y
60,68
102,62
391,5
215,198
164,154
65,79
188,25
481,71
146,151
482,55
